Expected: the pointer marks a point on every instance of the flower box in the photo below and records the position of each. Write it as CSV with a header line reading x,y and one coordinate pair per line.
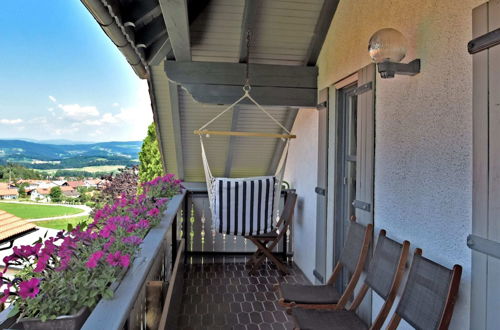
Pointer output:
x,y
66,322
75,270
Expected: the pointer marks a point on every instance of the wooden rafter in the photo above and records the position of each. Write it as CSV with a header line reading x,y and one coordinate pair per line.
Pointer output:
x,y
150,33
280,144
175,15
323,24
249,15
158,50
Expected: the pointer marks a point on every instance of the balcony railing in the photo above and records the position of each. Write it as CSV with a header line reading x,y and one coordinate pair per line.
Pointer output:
x,y
152,286
136,303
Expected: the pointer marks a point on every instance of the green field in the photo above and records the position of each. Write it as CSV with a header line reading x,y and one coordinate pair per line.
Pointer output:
x,y
32,211
91,169
62,223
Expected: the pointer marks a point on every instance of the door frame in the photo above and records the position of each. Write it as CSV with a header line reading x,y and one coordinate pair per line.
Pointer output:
x,y
332,161
365,79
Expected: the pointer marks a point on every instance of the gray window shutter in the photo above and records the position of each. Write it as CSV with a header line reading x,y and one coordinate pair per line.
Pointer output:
x,y
321,189
365,154
485,291
365,145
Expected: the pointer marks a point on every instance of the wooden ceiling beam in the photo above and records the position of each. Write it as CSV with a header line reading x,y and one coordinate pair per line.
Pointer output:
x,y
151,32
247,24
158,51
280,96
219,73
323,24
175,15
221,83
280,144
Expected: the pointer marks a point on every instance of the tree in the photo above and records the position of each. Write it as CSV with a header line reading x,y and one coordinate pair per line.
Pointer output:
x,y
122,183
22,191
15,171
150,165
55,194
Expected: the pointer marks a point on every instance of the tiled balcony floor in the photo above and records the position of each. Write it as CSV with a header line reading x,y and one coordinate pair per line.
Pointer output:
x,y
222,295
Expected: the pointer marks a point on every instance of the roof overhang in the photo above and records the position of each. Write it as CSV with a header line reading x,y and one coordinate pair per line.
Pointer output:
x,y
205,47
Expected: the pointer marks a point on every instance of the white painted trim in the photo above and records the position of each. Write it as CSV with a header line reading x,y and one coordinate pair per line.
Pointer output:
x,y
346,81
330,210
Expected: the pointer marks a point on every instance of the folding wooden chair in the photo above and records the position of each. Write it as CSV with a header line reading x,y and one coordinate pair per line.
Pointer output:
x,y
384,276
429,295
267,242
352,257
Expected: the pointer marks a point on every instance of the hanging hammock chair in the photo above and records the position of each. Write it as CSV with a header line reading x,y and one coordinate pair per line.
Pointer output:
x,y
244,206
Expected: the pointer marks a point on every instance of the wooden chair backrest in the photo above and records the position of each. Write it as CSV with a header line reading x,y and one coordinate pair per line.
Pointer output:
x,y
384,275
440,287
357,269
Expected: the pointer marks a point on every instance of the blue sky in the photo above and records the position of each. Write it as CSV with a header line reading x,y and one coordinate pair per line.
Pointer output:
x,y
62,78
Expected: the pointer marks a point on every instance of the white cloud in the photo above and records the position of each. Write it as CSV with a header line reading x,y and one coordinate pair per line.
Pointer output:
x,y
11,121
113,121
78,112
107,118
129,123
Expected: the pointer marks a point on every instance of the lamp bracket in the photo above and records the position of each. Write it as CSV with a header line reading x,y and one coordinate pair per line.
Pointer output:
x,y
390,69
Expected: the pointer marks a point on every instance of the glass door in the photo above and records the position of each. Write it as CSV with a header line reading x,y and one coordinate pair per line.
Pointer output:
x,y
346,167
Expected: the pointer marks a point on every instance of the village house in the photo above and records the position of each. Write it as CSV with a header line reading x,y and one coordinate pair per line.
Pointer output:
x,y
92,183
40,194
69,192
8,193
76,184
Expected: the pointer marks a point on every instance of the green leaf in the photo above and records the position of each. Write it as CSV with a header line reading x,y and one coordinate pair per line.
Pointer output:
x,y
14,311
108,294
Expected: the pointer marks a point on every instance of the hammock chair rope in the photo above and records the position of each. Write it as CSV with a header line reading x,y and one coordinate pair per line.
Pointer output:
x,y
244,206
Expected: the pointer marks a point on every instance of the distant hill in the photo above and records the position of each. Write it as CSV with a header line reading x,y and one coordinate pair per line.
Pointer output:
x,y
59,156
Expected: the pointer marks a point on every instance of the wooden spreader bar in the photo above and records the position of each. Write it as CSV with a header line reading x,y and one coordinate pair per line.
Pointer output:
x,y
237,133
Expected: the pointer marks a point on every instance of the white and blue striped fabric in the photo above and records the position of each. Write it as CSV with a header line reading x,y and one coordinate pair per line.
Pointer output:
x,y
243,206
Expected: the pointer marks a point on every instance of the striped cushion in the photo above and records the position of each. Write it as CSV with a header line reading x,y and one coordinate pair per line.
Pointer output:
x,y
244,206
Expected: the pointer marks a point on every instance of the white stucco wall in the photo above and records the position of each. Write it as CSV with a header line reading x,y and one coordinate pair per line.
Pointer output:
x,y
301,172
423,158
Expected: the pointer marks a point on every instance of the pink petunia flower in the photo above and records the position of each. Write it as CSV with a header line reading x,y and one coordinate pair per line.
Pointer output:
x,y
107,245
94,259
64,263
6,294
134,240
30,288
107,230
117,259
42,262
153,212
143,223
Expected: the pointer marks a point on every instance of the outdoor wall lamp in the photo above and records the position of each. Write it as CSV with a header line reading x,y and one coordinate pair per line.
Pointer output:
x,y
387,47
